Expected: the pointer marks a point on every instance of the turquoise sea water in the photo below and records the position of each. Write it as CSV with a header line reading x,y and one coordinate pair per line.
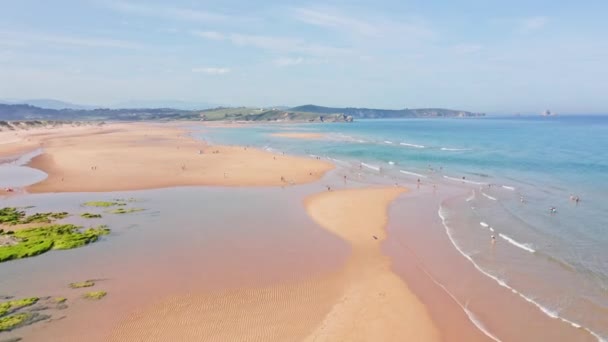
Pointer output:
x,y
517,168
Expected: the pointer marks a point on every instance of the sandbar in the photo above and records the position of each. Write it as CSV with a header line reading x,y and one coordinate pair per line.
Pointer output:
x,y
375,305
138,156
361,301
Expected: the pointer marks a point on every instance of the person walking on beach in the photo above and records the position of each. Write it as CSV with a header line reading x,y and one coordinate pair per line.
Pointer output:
x,y
418,183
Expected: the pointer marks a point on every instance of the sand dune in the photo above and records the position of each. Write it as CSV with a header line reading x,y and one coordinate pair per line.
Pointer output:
x,y
142,156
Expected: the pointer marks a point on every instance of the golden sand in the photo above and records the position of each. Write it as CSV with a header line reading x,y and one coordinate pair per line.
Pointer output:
x,y
143,156
364,301
376,305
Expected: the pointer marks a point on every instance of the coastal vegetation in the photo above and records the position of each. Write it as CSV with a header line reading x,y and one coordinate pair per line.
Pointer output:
x,y
90,215
14,305
104,204
11,319
95,295
32,116
60,300
79,285
125,211
14,216
11,322
34,241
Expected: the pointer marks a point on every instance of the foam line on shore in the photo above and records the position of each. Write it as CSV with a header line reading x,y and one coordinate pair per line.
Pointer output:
x,y
546,311
372,167
411,145
524,246
488,196
412,174
463,180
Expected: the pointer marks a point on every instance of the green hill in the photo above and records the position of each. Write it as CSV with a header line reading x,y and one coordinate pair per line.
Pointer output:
x,y
369,113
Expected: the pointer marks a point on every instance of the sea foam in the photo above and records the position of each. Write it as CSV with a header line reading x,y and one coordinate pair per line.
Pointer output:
x,y
411,145
525,246
546,311
412,174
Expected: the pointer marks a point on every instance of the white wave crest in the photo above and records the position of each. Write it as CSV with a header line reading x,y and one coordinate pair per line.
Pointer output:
x,y
488,196
373,167
463,180
412,174
483,224
454,149
387,142
508,187
502,283
411,145
525,246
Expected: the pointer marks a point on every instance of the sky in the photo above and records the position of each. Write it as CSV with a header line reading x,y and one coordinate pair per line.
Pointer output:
x,y
479,55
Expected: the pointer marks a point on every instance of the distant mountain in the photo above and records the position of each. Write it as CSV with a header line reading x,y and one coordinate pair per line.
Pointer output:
x,y
174,104
48,104
28,112
31,113
369,113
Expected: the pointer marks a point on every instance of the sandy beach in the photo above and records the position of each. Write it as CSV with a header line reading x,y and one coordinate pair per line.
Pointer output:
x,y
299,135
144,156
362,301
375,305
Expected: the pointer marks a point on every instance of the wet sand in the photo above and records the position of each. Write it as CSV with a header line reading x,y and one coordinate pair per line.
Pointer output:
x,y
145,156
296,135
375,304
361,301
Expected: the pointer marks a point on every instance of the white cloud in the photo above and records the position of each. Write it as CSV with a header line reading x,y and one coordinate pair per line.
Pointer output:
x,y
368,25
286,61
212,35
212,71
37,37
533,23
325,19
165,11
272,43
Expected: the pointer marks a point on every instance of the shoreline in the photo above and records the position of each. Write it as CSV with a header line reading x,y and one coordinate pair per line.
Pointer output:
x,y
146,156
408,270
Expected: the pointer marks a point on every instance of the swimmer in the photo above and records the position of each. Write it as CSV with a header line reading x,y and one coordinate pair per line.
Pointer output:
x,y
553,210
493,239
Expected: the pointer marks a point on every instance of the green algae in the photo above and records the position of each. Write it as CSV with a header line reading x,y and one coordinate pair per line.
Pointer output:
x,y
13,321
125,211
95,295
60,300
13,216
14,305
90,215
104,204
79,285
10,322
35,241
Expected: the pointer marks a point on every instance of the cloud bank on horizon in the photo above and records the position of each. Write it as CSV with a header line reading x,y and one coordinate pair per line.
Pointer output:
x,y
474,55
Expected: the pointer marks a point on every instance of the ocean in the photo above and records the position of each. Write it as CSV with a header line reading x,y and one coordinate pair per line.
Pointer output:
x,y
516,169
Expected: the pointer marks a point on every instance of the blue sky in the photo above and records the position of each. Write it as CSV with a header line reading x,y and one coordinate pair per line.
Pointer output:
x,y
479,55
